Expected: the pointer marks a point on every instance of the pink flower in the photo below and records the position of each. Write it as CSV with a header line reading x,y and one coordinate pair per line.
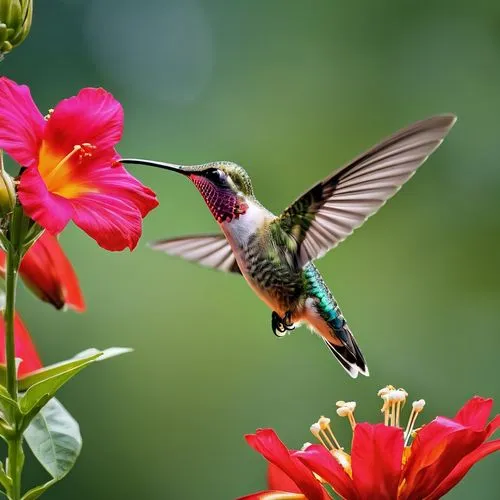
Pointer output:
x,y
68,158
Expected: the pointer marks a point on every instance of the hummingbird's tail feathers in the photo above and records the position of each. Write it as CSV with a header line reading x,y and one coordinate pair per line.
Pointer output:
x,y
353,364
209,250
350,368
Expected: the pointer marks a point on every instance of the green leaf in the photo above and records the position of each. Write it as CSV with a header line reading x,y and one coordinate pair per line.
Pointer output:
x,y
5,399
83,357
38,491
4,479
38,395
54,438
108,353
51,371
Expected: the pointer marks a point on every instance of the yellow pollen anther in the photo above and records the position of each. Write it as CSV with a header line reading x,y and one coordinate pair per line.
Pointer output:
x,y
394,399
385,390
347,410
83,150
316,432
322,431
324,422
49,114
418,405
315,429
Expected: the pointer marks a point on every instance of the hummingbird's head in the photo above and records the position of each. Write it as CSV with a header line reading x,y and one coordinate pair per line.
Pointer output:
x,y
225,186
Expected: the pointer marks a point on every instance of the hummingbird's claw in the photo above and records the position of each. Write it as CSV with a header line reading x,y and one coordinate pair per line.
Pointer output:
x,y
287,321
281,325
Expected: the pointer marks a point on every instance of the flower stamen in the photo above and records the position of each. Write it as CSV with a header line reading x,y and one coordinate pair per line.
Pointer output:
x,y
49,114
324,423
417,407
327,439
83,150
347,410
394,399
316,432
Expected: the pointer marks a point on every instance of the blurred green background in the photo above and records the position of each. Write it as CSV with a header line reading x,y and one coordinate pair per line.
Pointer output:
x,y
291,90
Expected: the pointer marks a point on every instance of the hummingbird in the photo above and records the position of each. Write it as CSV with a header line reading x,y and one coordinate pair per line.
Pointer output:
x,y
276,254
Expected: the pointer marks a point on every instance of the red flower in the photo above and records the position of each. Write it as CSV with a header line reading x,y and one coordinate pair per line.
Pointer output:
x,y
287,475
68,158
24,347
48,273
382,465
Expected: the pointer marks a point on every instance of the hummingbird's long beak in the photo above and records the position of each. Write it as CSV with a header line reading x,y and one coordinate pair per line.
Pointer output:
x,y
158,164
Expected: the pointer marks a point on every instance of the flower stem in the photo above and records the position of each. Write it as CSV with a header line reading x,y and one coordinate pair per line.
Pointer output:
x,y
15,451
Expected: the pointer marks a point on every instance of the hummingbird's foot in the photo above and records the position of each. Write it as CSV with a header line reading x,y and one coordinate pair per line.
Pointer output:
x,y
281,325
287,321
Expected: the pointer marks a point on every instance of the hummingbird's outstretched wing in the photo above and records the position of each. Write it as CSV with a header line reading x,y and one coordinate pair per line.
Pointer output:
x,y
210,250
329,212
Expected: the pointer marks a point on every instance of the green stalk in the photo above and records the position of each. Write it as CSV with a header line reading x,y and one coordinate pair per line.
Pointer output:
x,y
15,444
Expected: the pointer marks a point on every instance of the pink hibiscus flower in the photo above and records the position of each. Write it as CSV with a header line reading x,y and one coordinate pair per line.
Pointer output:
x,y
69,169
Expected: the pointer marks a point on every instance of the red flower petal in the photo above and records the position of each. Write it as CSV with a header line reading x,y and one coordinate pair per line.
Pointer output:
x,y
92,116
318,459
113,215
21,123
80,183
118,183
463,467
24,347
278,480
475,412
273,495
492,426
112,222
376,460
437,449
267,443
47,271
51,211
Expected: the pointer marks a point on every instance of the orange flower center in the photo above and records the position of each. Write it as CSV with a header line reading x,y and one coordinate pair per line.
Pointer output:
x,y
63,174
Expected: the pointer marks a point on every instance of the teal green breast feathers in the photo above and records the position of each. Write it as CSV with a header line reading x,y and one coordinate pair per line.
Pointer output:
x,y
316,222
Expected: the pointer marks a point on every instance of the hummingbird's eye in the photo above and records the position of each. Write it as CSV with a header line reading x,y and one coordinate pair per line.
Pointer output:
x,y
216,176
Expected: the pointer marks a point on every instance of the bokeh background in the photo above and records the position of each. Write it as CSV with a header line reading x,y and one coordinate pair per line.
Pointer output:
x,y
291,90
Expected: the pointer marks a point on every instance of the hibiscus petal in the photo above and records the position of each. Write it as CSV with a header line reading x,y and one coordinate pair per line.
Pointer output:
x,y
24,347
273,495
437,449
376,460
21,123
267,443
475,412
47,271
278,480
492,426
117,182
317,458
463,467
50,210
93,116
113,223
